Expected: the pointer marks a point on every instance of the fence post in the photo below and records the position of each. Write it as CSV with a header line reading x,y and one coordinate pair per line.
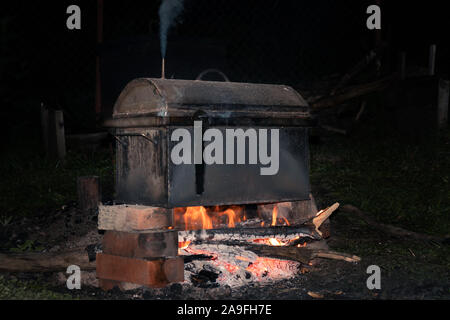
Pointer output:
x,y
443,99
432,60
60,135
44,127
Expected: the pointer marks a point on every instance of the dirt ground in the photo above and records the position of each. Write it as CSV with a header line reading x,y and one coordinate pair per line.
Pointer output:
x,y
409,269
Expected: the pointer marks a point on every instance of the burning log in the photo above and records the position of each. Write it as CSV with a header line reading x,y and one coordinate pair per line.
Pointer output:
x,y
283,233
303,255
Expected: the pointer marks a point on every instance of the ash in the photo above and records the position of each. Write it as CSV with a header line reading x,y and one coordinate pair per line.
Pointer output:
x,y
233,266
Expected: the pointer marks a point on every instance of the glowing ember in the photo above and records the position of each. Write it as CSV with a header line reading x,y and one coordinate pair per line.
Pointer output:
x,y
236,266
275,242
183,244
264,267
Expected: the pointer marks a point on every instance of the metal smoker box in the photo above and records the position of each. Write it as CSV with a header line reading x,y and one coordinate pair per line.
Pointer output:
x,y
149,110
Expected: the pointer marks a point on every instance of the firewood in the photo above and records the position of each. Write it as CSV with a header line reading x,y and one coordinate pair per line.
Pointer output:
x,y
46,261
359,67
323,215
246,234
353,92
303,254
88,193
129,218
335,255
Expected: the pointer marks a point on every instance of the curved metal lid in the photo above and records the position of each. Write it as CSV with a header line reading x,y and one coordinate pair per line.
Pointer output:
x,y
184,98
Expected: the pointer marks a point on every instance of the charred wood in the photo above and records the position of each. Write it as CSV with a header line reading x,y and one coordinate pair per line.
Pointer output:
x,y
282,233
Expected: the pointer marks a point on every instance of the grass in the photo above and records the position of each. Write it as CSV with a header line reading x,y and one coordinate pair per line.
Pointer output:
x,y
32,185
399,182
14,289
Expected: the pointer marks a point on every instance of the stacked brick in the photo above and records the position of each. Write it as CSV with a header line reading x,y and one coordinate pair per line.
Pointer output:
x,y
139,248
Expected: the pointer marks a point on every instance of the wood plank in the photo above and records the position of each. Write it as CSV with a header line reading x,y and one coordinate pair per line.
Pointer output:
x,y
45,261
88,190
133,218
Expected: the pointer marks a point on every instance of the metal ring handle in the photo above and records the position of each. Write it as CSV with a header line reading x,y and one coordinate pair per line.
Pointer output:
x,y
203,73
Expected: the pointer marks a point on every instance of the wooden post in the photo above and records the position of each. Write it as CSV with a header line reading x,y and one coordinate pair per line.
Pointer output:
x,y
60,135
432,60
54,134
88,193
44,127
443,99
403,65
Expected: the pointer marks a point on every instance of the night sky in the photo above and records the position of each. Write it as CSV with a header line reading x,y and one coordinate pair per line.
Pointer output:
x,y
292,42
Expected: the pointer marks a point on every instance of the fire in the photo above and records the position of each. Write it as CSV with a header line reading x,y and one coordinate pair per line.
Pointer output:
x,y
196,215
275,242
272,241
274,216
183,244
231,216
195,218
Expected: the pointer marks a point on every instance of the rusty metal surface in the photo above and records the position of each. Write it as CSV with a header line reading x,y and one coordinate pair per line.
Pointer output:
x,y
184,98
149,110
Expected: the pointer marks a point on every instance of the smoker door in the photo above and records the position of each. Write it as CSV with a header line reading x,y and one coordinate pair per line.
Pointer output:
x,y
242,183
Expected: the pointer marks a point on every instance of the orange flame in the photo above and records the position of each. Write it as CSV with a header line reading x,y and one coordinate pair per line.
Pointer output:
x,y
196,215
231,217
274,216
195,218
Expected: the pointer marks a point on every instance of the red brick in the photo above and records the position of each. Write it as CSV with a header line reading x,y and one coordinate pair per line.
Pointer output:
x,y
152,273
151,244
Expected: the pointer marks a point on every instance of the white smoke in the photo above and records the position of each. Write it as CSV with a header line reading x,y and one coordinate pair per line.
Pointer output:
x,y
168,13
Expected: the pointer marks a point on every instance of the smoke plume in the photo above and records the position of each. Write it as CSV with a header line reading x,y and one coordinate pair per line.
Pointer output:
x,y
168,12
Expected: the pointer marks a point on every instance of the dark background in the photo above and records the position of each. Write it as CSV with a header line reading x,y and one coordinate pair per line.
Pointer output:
x,y
291,42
